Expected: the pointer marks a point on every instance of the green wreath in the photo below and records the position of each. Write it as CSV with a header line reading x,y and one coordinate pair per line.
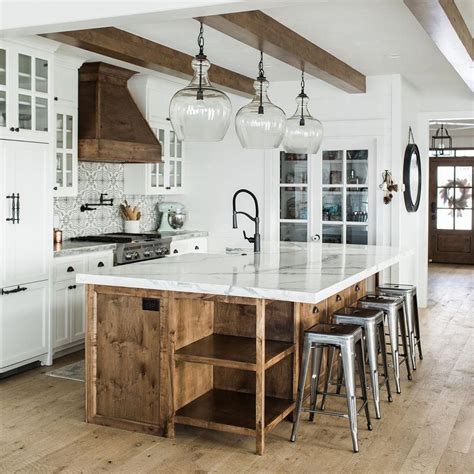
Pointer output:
x,y
448,194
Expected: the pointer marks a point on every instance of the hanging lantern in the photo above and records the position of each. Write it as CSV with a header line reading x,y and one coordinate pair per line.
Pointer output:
x,y
200,112
304,133
439,138
260,124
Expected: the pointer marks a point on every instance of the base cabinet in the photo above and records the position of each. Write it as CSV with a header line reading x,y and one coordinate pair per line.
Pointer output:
x,y
196,245
24,323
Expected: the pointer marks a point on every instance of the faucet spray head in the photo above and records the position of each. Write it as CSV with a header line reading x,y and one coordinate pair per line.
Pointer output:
x,y
234,220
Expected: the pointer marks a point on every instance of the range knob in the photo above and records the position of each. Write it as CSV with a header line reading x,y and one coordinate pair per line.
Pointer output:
x,y
147,253
128,256
136,255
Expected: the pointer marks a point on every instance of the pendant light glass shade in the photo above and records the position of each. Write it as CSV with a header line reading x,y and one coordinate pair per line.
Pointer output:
x,y
200,112
304,133
260,124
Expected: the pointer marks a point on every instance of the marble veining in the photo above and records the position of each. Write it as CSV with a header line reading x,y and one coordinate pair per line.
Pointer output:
x,y
301,272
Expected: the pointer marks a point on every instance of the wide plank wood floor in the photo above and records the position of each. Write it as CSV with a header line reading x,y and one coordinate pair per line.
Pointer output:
x,y
428,428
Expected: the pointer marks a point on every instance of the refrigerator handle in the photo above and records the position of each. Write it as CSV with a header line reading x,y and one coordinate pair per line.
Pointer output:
x,y
18,208
13,218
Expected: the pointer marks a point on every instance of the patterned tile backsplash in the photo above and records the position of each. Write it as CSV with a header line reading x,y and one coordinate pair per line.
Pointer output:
x,y
96,178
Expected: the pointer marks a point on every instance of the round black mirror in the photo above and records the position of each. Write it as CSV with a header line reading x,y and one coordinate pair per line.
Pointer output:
x,y
412,177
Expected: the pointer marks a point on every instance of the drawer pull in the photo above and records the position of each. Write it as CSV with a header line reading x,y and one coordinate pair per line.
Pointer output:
x,y
315,310
101,264
357,288
196,247
338,298
175,251
15,290
70,269
71,287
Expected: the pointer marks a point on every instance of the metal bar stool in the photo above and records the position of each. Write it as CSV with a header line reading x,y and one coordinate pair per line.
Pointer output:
x,y
408,292
394,309
372,323
348,339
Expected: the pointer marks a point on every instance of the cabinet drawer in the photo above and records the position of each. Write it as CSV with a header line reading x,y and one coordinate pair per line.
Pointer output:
x,y
179,247
334,303
356,291
97,261
198,245
67,268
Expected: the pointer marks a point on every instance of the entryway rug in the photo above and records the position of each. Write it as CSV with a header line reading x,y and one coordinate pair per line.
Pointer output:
x,y
73,371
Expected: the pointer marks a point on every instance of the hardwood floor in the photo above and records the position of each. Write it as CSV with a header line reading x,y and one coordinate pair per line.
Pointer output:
x,y
428,428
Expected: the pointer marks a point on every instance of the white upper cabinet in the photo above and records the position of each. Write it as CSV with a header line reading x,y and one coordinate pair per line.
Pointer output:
x,y
65,121
152,96
25,93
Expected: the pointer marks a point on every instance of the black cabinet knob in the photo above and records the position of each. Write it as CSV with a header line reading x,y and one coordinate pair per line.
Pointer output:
x,y
196,247
70,269
56,98
55,188
71,287
175,251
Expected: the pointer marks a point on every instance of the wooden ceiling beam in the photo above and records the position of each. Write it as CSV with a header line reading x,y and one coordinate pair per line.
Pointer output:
x,y
262,32
443,22
133,49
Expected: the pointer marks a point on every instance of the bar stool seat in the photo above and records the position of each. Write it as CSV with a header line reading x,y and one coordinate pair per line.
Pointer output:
x,y
372,324
408,292
394,310
348,339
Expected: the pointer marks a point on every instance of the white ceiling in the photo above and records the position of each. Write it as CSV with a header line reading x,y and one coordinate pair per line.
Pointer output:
x,y
466,8
375,36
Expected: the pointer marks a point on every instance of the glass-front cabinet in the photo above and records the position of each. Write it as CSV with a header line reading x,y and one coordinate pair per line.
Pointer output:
x,y
66,150
162,178
345,195
293,197
24,94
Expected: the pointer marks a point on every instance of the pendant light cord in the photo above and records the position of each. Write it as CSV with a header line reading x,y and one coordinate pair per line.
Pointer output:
x,y
200,57
302,96
261,79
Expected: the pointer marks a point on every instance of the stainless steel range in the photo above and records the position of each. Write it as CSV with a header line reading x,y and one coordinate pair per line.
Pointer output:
x,y
133,248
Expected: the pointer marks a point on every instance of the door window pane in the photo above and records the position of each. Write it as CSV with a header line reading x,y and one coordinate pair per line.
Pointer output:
x,y
293,232
445,175
3,67
24,111
463,198
293,168
445,198
172,173
332,204
293,203
357,205
161,175
161,139
179,148
41,114
463,175
69,170
59,130
463,219
24,72
153,175
444,219
172,143
41,70
332,167
3,109
357,234
332,234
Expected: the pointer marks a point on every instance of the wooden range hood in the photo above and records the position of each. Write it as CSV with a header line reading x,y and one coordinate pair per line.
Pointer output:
x,y
111,127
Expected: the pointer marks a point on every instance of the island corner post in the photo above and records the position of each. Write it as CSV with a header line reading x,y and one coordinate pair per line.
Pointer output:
x,y
156,358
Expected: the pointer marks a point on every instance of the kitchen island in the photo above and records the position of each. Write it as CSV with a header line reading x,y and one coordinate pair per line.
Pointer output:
x,y
214,340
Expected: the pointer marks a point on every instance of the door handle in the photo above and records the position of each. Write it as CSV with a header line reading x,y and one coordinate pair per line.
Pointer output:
x,y
433,207
15,290
15,209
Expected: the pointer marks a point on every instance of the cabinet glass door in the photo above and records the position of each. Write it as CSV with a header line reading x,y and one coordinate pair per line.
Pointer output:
x,y
157,170
65,151
175,169
33,84
293,197
3,88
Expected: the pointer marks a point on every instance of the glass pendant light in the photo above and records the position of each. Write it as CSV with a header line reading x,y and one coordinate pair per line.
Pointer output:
x,y
303,133
200,112
260,124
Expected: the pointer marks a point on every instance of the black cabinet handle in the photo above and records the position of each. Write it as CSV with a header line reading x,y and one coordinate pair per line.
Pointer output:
x,y
71,287
18,208
100,264
196,247
338,298
70,269
55,98
15,290
168,187
315,310
357,288
55,188
175,251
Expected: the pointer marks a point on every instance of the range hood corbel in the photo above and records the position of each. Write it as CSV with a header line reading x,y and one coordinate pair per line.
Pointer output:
x,y
111,127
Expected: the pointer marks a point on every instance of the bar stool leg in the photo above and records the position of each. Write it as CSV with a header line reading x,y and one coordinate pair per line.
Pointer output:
x,y
301,384
417,326
383,350
340,376
316,371
393,333
363,381
402,322
329,365
371,337
408,308
348,364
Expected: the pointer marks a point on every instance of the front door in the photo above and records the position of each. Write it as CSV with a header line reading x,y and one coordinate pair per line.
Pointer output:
x,y
451,237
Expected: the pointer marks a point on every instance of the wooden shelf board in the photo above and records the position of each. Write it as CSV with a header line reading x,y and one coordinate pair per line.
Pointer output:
x,y
232,351
234,412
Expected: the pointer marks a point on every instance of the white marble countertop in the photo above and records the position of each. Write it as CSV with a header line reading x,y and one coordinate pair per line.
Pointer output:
x,y
299,272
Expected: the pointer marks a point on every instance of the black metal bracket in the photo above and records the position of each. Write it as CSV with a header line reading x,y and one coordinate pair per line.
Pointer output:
x,y
102,202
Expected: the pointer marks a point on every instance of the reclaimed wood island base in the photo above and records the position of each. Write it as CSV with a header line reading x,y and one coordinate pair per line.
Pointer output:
x,y
161,352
